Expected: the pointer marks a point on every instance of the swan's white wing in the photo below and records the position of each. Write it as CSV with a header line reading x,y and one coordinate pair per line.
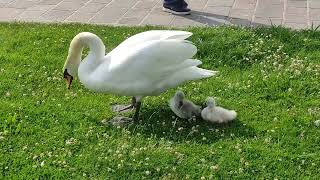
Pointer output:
x,y
152,60
150,36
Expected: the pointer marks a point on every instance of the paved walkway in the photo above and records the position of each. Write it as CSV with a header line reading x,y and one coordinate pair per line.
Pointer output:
x,y
290,13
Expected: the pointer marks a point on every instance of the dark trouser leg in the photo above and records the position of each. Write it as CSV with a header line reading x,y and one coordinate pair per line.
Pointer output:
x,y
173,3
184,4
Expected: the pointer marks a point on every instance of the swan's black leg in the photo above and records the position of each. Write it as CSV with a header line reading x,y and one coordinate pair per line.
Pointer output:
x,y
133,101
136,113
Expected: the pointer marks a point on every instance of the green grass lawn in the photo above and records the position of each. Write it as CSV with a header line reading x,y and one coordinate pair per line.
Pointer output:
x,y
270,76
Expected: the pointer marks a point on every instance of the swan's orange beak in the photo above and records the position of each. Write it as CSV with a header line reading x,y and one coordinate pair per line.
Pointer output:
x,y
68,78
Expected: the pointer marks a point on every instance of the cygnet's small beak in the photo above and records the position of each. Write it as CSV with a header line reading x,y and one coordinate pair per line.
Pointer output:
x,y
68,78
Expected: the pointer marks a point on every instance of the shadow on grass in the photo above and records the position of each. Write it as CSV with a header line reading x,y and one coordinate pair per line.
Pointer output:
x,y
211,19
160,122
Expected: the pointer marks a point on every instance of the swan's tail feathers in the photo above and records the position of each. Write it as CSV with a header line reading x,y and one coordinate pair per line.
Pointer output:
x,y
204,73
194,73
188,74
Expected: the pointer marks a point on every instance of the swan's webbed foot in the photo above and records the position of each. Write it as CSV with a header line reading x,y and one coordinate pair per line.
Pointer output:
x,y
118,121
135,118
124,108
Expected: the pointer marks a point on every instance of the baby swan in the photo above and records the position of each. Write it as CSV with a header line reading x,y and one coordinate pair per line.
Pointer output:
x,y
182,107
216,114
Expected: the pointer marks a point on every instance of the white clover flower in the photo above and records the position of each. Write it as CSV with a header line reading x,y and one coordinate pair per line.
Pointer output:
x,y
240,170
214,167
71,141
119,166
317,123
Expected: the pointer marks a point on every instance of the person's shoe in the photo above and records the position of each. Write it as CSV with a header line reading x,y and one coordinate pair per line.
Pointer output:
x,y
176,10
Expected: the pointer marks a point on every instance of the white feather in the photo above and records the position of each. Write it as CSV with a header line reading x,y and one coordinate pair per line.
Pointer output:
x,y
145,64
216,114
182,107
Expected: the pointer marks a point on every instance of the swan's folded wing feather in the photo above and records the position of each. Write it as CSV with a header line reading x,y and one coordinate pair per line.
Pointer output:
x,y
152,35
154,59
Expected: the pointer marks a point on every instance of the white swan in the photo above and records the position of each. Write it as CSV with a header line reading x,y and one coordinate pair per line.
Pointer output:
x,y
216,114
145,64
182,107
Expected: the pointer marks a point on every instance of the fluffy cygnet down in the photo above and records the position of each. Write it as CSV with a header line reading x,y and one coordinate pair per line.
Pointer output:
x,y
182,107
216,114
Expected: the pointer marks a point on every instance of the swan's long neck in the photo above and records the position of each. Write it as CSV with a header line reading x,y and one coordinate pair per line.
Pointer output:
x,y
95,44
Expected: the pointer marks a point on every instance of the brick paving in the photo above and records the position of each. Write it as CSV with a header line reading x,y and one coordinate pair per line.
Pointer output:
x,y
295,14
